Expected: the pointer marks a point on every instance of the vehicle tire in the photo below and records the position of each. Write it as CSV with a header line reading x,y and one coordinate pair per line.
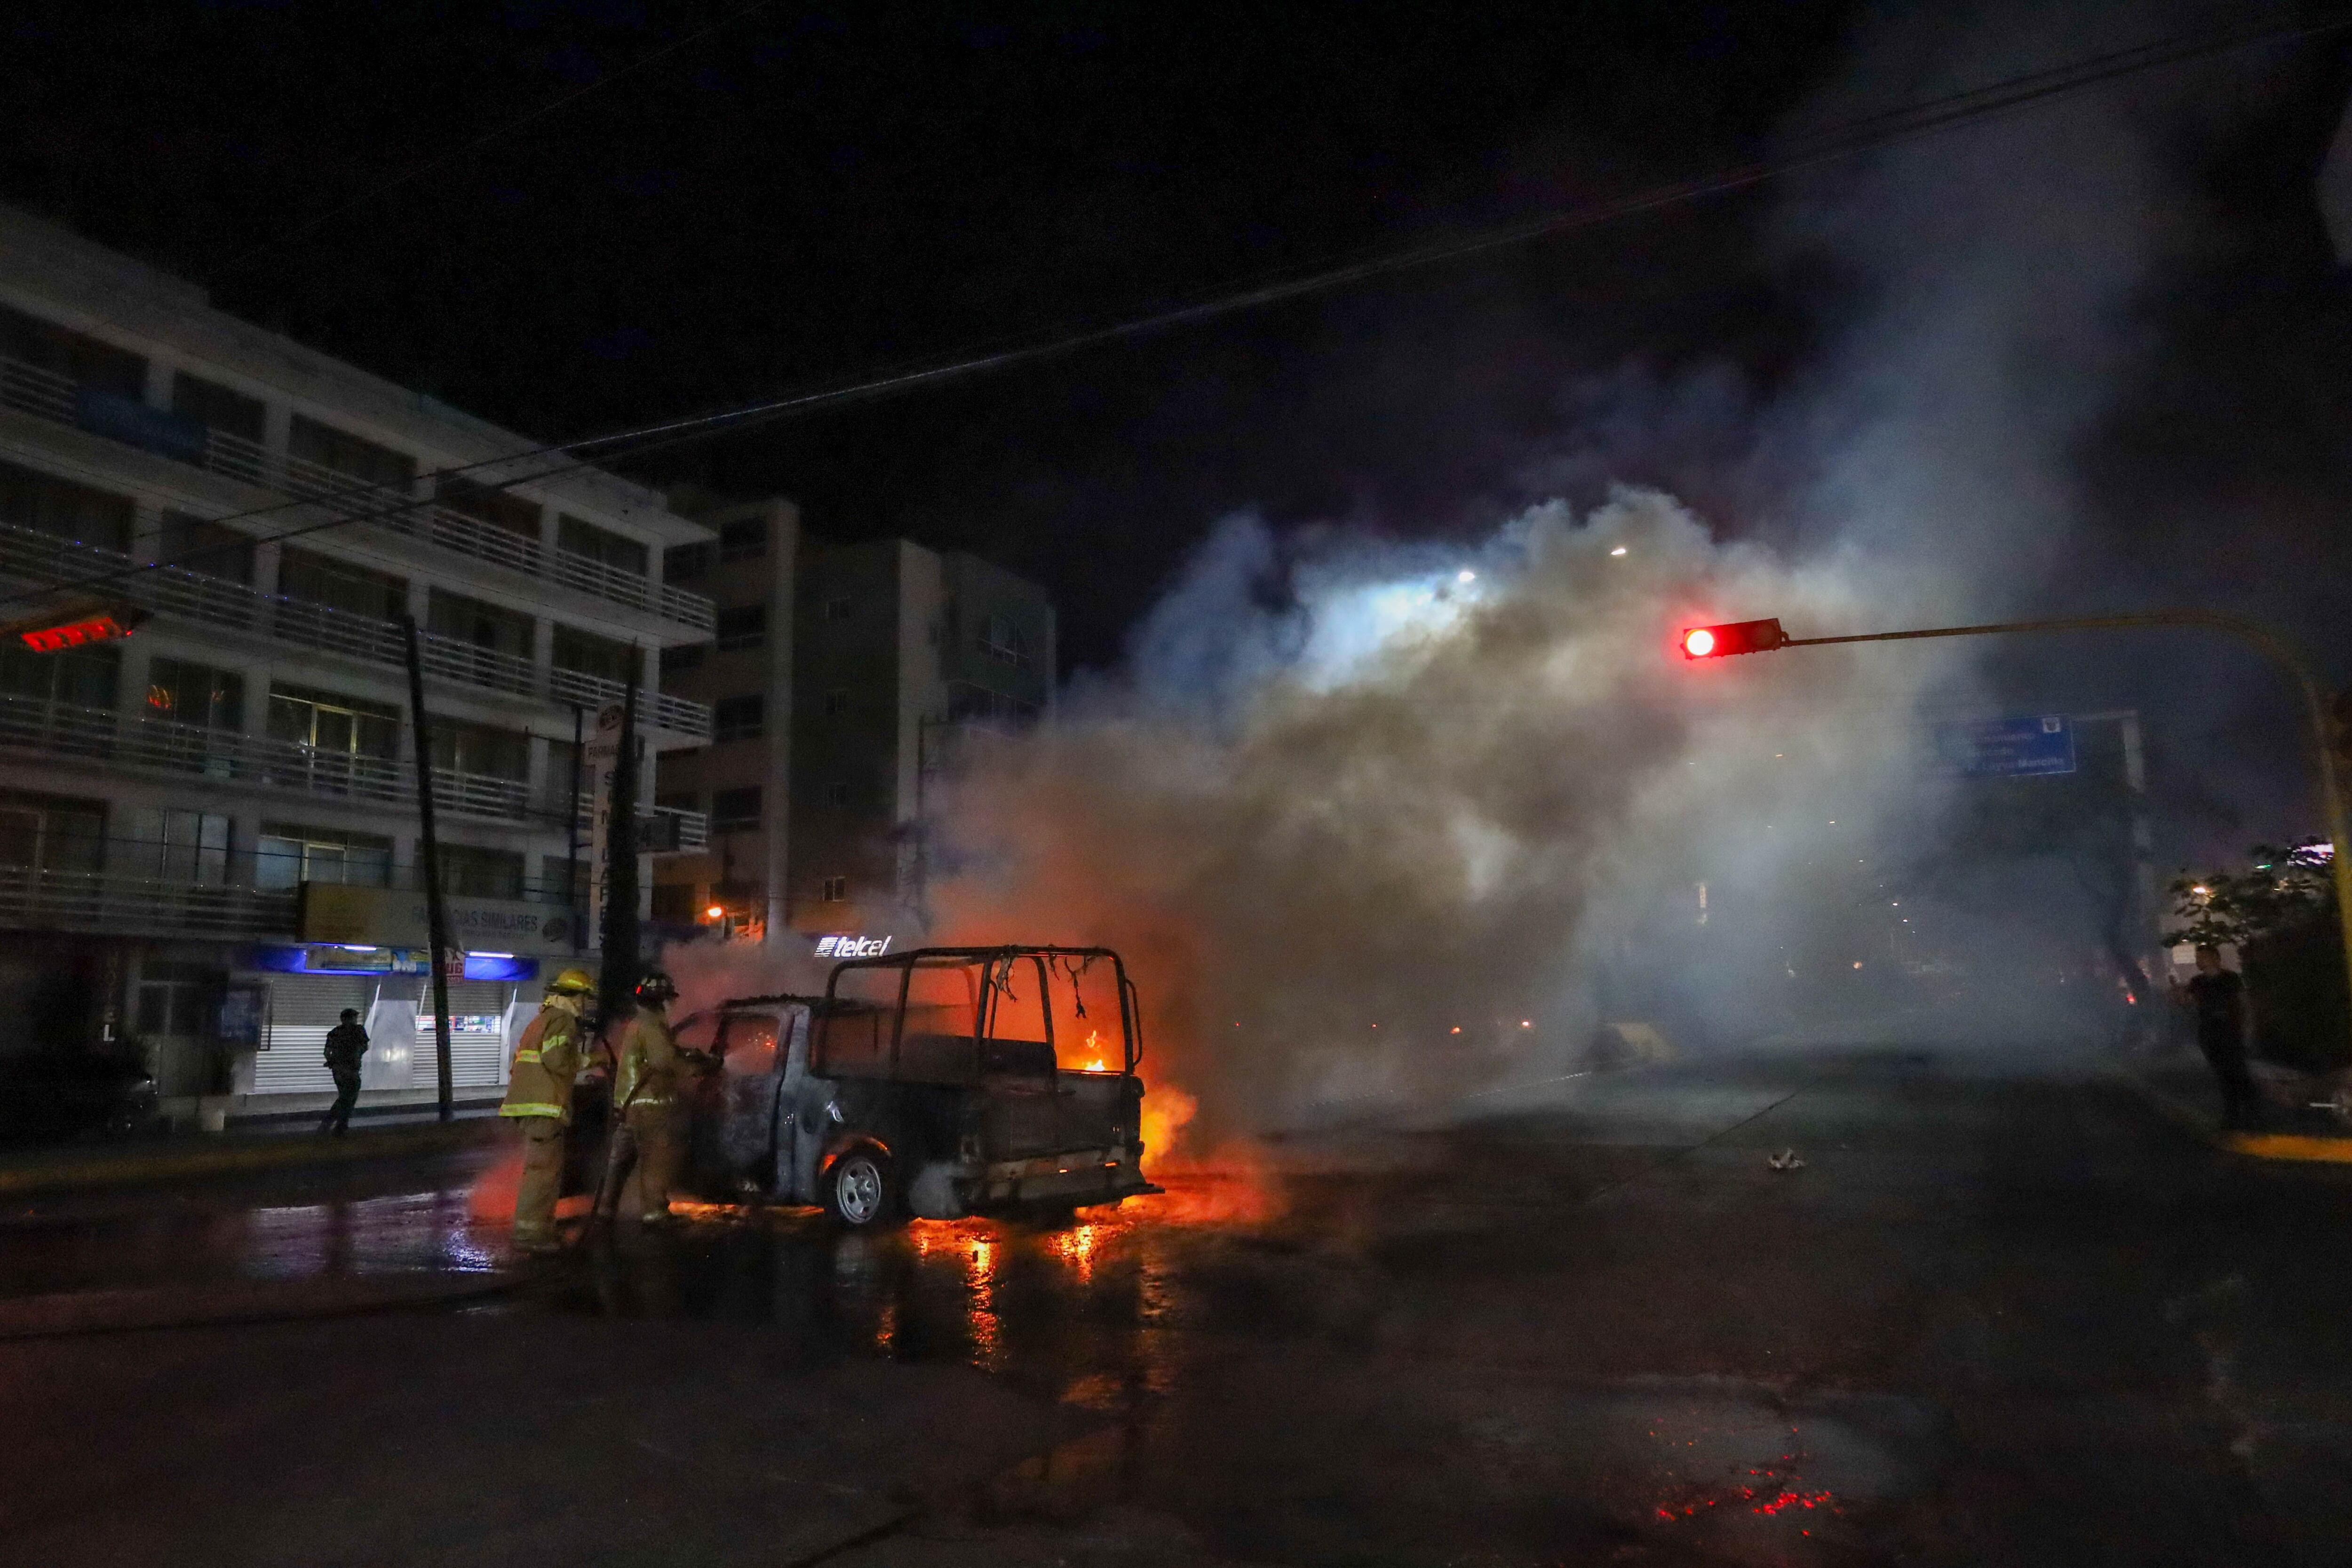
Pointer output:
x,y
861,1190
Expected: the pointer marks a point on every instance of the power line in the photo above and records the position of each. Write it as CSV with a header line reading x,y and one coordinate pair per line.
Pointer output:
x,y
415,170
1847,140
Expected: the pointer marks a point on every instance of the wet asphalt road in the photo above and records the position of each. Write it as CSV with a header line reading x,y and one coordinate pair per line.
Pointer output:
x,y
2004,1313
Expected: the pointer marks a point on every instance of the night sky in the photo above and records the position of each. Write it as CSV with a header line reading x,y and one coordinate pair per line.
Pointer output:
x,y
806,195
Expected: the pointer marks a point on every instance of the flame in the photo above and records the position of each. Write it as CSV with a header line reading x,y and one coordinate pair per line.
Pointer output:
x,y
1166,1109
1095,1046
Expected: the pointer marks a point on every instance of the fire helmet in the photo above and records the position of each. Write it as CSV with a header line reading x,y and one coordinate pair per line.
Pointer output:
x,y
572,983
656,987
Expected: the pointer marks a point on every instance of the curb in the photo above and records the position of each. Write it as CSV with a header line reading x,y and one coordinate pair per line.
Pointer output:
x,y
2292,1146
257,1154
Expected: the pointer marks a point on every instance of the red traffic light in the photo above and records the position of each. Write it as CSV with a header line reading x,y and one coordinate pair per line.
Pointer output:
x,y
1735,636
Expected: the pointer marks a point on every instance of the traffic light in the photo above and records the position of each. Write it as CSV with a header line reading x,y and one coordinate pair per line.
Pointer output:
x,y
1735,636
72,623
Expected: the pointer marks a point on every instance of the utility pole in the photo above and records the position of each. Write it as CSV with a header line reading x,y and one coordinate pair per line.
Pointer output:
x,y
618,982
579,920
436,915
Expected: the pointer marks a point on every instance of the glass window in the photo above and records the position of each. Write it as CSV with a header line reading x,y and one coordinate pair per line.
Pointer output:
x,y
1001,641
286,854
327,722
488,503
209,403
43,833
63,509
479,748
190,847
735,810
742,626
591,655
86,677
749,1044
685,562
738,718
201,545
353,457
492,627
574,536
745,539
471,872
834,891
685,657
356,589
77,356
188,693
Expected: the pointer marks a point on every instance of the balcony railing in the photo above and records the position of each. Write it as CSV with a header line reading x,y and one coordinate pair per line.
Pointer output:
x,y
33,727
48,395
217,602
35,899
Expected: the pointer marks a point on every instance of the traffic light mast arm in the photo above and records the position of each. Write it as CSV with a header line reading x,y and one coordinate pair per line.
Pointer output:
x,y
2275,647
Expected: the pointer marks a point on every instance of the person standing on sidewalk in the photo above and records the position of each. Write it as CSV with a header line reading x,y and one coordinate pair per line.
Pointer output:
x,y
645,1087
346,1044
2216,997
547,1058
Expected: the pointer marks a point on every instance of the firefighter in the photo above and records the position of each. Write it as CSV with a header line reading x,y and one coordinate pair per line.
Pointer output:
x,y
538,1096
644,1091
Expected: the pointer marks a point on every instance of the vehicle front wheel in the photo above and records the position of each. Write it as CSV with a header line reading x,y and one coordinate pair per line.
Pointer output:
x,y
861,1191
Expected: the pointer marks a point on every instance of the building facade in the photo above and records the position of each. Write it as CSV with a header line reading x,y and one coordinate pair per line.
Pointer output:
x,y
885,659
175,806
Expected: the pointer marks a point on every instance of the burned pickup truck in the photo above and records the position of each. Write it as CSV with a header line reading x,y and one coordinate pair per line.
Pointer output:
x,y
937,1082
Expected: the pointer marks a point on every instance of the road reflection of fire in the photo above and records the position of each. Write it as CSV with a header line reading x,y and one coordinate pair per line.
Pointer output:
x,y
1075,1247
980,1313
492,1199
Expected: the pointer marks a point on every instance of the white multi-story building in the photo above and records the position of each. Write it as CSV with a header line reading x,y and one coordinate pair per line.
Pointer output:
x,y
172,802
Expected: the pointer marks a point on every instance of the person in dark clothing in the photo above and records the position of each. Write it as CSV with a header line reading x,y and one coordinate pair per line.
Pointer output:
x,y
2216,997
346,1044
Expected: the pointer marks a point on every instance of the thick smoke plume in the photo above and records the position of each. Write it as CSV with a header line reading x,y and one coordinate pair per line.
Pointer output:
x,y
1369,867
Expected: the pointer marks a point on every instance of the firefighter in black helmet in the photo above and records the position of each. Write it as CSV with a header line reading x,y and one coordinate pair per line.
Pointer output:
x,y
645,1096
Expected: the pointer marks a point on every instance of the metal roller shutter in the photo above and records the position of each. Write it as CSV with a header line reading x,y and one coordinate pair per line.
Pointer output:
x,y
477,1046
302,1008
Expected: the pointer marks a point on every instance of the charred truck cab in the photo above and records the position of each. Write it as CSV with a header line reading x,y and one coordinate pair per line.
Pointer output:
x,y
939,1082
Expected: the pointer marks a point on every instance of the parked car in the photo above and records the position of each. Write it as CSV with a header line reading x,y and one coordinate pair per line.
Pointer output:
x,y
937,1082
49,1096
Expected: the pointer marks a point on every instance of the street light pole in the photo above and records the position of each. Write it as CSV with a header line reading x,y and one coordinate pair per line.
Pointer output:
x,y
1751,638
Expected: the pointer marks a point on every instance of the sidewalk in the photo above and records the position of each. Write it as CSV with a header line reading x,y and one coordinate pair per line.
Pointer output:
x,y
130,1160
2181,1087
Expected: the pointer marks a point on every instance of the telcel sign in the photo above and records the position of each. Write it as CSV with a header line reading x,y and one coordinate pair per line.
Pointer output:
x,y
851,946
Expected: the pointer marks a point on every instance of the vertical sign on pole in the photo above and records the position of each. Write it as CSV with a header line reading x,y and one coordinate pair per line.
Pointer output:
x,y
603,756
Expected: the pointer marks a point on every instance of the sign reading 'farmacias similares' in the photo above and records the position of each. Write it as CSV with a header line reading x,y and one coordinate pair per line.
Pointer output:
x,y
394,916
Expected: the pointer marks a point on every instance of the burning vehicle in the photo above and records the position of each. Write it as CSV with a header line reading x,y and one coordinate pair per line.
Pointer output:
x,y
937,1082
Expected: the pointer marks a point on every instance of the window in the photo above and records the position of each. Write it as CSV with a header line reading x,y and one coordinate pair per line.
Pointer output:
x,y
735,810
556,870
685,562
41,833
189,693
836,702
589,654
738,718
560,789
674,903
679,800
190,847
484,626
209,403
474,873
838,606
834,891
353,457
836,795
63,352
480,750
336,745
742,626
85,676
354,590
287,853
177,999
745,539
1002,641
685,657
200,544
970,704
621,553
487,503
63,509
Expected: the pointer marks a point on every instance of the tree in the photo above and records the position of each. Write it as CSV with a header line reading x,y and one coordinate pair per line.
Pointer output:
x,y
2280,915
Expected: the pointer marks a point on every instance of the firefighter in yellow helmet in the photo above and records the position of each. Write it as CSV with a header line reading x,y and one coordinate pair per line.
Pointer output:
x,y
547,1058
644,1094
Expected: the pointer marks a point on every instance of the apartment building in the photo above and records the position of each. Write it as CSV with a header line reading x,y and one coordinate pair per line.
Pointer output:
x,y
881,663
208,831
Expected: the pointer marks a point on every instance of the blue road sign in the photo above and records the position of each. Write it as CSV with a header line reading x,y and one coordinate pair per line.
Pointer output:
x,y
2033,745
